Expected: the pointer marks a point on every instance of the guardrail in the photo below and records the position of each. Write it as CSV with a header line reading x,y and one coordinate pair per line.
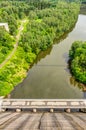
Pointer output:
x,y
42,103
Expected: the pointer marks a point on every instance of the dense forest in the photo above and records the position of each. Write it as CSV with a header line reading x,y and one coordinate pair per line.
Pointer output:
x,y
6,44
78,60
47,20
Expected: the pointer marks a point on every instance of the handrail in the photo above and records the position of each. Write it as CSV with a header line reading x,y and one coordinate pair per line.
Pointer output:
x,y
43,103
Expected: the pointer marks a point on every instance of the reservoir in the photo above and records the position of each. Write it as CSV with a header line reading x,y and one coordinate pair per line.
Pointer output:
x,y
49,76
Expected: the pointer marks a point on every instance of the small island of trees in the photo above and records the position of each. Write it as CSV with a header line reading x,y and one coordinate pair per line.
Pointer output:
x,y
78,61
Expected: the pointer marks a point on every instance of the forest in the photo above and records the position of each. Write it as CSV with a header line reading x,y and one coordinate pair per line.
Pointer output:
x,y
47,20
5,48
78,60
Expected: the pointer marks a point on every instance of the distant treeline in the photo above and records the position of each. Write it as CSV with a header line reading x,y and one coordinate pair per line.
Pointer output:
x,y
11,11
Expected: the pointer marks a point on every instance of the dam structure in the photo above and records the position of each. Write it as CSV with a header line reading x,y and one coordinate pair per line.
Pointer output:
x,y
23,114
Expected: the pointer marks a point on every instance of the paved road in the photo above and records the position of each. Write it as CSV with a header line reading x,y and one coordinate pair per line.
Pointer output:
x,y
42,121
16,45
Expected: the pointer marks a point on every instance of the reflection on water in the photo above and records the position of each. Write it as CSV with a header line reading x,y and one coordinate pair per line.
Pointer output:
x,y
76,83
83,9
49,77
85,95
43,55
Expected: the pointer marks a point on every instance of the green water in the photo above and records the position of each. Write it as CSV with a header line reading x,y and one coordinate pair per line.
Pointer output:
x,y
49,77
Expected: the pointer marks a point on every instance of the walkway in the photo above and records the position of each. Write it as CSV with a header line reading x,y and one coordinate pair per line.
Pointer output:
x,y
16,45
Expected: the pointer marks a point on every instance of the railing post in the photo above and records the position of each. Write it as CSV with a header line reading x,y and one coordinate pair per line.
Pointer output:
x,y
18,110
51,110
34,110
68,110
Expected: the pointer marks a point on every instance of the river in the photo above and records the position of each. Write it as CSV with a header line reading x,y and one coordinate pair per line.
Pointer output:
x,y
49,77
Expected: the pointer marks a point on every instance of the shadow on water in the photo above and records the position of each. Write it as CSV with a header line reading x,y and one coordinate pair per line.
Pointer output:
x,y
83,9
79,85
43,54
74,82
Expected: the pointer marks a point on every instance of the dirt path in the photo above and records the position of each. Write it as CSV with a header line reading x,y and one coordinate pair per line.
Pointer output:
x,y
16,45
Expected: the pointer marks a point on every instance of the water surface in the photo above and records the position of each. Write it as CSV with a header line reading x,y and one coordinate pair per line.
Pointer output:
x,y
49,77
